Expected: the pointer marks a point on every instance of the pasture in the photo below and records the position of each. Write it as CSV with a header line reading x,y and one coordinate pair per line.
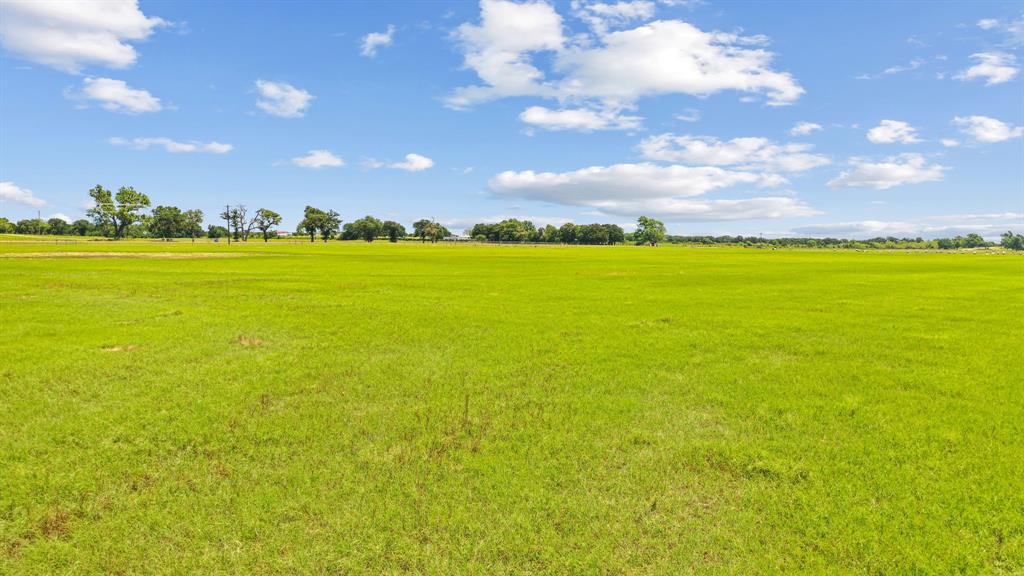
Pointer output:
x,y
346,408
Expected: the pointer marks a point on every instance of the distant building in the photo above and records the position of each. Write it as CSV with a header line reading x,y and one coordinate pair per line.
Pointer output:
x,y
457,238
283,233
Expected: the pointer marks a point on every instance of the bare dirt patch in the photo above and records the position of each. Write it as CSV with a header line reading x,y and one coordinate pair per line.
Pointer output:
x,y
124,348
55,525
144,255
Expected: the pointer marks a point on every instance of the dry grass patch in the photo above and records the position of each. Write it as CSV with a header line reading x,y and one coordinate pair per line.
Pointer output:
x,y
125,348
249,341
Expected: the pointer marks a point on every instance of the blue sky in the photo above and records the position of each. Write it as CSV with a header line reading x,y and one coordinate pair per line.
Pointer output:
x,y
843,119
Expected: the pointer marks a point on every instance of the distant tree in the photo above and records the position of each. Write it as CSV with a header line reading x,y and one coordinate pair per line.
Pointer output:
x,y
80,227
192,221
512,230
119,211
945,243
214,231
548,234
316,221
367,228
419,229
30,226
311,219
6,226
265,220
567,233
649,231
166,222
973,241
393,230
429,230
1012,241
348,232
58,226
237,220
591,234
330,224
616,234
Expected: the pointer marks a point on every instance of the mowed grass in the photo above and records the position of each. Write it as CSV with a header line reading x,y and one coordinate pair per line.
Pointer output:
x,y
394,409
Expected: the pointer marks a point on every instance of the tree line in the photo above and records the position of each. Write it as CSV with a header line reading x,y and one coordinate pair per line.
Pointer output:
x,y
123,214
1008,240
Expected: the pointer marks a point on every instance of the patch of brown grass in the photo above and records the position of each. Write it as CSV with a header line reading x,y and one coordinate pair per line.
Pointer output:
x,y
249,341
55,525
125,348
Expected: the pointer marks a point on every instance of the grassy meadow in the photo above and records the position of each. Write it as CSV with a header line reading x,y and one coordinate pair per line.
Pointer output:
x,y
349,408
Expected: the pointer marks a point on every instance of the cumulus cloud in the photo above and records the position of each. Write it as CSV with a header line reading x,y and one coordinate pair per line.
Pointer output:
x,y
374,40
11,192
993,67
601,16
664,191
71,35
118,96
804,128
986,225
412,163
282,99
987,130
317,159
747,153
988,23
893,131
889,173
950,142
62,216
611,70
581,119
173,146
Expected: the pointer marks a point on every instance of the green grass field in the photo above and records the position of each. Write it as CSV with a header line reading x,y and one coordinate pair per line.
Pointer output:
x,y
397,409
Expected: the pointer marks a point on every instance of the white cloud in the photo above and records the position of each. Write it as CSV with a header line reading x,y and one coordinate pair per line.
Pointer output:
x,y
601,16
893,131
747,153
950,142
582,119
375,40
804,128
70,35
118,96
891,172
673,57
317,159
689,115
1015,33
62,216
986,225
914,65
282,99
613,69
413,163
173,146
11,192
994,67
988,23
665,191
987,130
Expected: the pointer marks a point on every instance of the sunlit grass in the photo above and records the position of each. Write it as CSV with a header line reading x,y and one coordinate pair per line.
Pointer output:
x,y
440,409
